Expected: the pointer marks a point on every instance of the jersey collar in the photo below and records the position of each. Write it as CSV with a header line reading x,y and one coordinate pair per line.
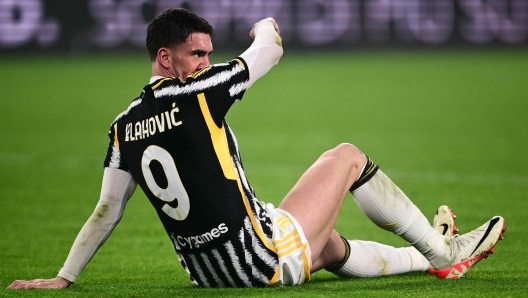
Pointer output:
x,y
155,78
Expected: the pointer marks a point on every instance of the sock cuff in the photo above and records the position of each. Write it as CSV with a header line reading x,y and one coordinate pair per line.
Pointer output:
x,y
368,172
345,258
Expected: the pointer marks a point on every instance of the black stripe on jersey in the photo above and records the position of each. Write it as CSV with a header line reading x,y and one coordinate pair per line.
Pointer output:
x,y
217,75
224,270
198,271
210,270
186,268
222,266
245,260
196,74
159,82
262,270
259,212
269,261
239,270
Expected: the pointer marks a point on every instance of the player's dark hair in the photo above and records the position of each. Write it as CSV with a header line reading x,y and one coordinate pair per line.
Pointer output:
x,y
172,27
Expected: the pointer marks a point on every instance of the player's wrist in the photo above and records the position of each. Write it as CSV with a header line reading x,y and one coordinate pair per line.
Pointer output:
x,y
64,281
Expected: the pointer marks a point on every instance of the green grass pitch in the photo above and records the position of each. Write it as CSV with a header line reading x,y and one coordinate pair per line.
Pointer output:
x,y
449,127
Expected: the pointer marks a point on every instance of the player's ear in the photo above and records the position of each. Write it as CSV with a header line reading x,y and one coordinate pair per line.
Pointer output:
x,y
164,57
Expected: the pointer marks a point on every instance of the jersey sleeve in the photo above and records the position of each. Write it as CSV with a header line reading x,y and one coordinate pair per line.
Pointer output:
x,y
113,158
221,98
220,85
116,190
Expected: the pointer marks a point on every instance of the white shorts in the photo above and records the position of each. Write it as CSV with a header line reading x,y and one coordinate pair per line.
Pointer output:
x,y
295,257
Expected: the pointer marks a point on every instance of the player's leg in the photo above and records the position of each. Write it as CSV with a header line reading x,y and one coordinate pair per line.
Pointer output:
x,y
317,197
368,259
372,259
357,258
388,207
335,253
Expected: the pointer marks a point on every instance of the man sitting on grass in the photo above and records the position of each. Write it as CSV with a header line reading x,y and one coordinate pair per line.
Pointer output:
x,y
174,142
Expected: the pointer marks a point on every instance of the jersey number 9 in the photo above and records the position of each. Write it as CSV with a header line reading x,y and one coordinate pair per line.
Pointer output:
x,y
174,190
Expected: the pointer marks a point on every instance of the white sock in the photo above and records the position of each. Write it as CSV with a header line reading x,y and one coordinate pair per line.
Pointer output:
x,y
388,207
370,259
419,262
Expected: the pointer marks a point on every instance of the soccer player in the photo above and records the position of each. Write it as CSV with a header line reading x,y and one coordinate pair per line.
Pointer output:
x,y
174,142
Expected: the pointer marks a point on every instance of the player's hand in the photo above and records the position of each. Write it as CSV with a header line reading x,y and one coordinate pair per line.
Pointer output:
x,y
54,283
252,32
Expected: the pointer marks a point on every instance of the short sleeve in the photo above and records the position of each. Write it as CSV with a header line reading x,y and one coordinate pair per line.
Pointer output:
x,y
235,81
220,84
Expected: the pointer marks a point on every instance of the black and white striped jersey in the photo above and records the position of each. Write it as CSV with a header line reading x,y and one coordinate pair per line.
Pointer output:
x,y
175,142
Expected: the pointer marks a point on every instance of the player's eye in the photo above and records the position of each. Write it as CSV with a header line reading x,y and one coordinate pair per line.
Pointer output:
x,y
199,54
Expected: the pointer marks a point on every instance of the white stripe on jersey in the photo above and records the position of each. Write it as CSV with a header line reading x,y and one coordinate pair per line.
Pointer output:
x,y
201,276
249,260
261,253
115,159
211,270
221,263
236,89
236,264
242,176
132,105
217,79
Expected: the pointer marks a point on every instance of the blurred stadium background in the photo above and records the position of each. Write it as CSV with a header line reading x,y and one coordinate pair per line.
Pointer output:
x,y
435,91
106,25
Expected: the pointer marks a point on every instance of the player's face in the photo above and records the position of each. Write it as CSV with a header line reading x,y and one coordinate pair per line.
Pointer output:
x,y
192,55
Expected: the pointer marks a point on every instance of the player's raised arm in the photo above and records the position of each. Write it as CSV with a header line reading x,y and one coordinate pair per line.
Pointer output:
x,y
117,188
265,51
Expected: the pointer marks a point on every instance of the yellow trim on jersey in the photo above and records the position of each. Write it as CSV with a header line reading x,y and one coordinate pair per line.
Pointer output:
x,y
275,277
296,239
219,139
116,141
196,74
284,253
286,238
283,221
221,148
292,239
239,62
159,83
306,267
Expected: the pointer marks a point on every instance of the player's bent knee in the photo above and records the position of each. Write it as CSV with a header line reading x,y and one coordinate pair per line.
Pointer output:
x,y
348,152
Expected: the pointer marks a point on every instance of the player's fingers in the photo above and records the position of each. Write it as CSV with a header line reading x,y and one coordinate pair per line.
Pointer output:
x,y
19,284
38,284
14,285
26,285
